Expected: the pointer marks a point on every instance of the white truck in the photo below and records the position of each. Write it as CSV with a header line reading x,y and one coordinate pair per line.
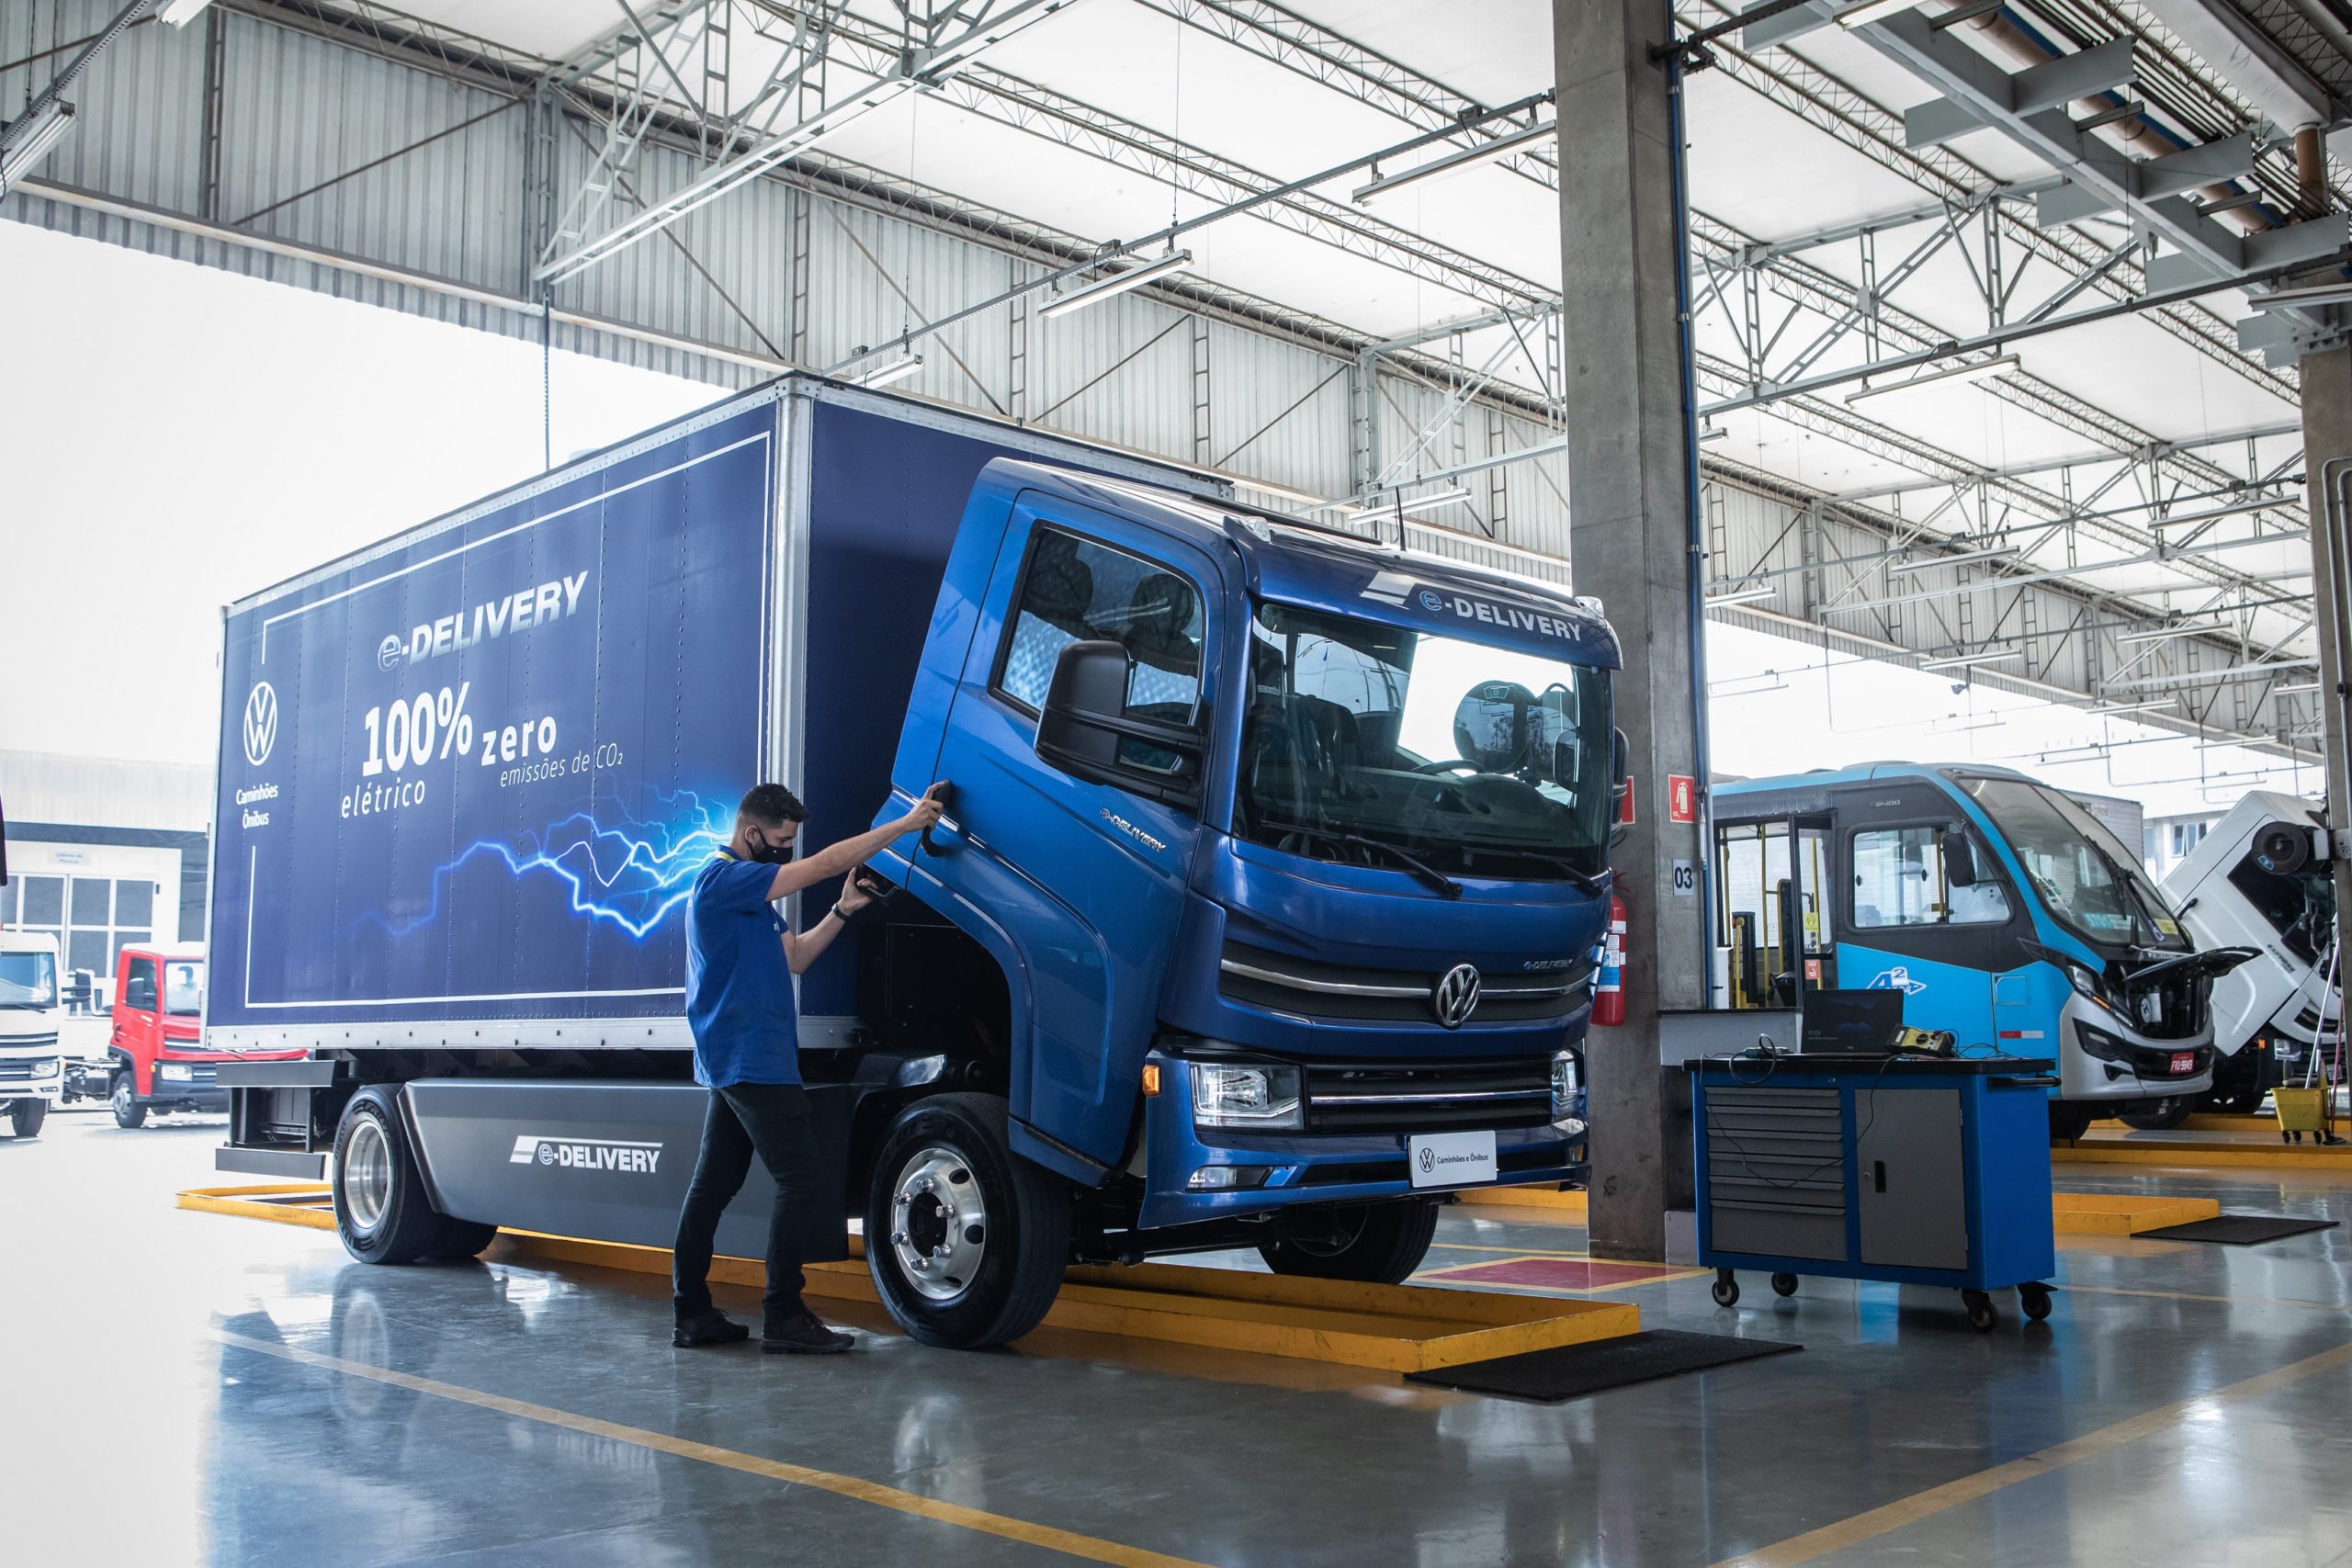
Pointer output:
x,y
29,1010
2261,878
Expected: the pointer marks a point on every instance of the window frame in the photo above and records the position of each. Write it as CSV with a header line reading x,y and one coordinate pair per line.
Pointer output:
x,y
154,979
1039,528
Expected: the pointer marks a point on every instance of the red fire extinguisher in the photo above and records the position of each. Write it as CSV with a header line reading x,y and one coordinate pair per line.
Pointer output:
x,y
1609,992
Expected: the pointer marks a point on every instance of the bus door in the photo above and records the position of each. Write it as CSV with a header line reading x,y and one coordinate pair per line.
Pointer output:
x,y
1903,924
1772,890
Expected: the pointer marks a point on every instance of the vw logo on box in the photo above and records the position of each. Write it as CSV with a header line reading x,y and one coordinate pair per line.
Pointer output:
x,y
261,723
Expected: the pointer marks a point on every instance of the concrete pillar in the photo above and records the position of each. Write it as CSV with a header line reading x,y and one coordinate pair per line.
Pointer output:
x,y
1632,545
2327,462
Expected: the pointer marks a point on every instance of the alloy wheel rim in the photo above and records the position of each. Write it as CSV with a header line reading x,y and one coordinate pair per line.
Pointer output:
x,y
939,1223
367,1174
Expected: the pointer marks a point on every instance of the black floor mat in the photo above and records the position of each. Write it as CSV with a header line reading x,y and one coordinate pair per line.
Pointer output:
x,y
1570,1371
2239,1230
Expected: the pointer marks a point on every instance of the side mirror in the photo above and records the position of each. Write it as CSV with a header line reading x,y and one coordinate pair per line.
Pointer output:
x,y
1960,858
1084,727
1621,761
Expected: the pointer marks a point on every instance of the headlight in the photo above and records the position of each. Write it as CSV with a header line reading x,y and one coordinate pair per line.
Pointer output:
x,y
176,1072
1258,1095
2085,983
1567,1083
45,1069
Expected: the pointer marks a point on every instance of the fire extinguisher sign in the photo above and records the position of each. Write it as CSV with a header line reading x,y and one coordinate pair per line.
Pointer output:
x,y
1682,797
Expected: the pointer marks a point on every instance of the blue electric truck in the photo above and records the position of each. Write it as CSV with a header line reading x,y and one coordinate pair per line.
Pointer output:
x,y
1263,914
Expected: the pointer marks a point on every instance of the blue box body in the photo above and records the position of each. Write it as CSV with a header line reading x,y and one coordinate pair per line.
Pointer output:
x,y
2005,1145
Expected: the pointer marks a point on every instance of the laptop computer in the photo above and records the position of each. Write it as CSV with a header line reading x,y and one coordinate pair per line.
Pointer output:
x,y
1850,1023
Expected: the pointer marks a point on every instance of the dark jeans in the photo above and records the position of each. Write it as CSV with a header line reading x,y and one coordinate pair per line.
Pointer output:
x,y
773,1119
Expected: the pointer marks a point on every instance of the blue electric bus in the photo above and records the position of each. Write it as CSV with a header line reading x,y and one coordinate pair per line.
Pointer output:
x,y
2003,912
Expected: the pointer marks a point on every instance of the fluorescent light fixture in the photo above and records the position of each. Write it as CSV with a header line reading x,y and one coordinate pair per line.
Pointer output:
x,y
2297,689
1119,283
2001,366
180,13
1419,503
2295,299
1969,660
2166,634
1964,559
2115,709
1740,596
1714,432
1870,11
31,146
1454,162
896,370
2260,504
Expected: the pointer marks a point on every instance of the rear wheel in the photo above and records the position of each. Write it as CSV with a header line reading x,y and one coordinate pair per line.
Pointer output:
x,y
2159,1115
27,1116
381,1209
966,1240
1379,1245
124,1102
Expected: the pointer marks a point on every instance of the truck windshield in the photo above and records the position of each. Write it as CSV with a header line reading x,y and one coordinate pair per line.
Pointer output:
x,y
2090,883
183,987
1381,746
28,980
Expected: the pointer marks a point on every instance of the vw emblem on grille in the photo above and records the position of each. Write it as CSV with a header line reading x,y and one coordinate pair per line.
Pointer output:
x,y
1429,1162
1455,995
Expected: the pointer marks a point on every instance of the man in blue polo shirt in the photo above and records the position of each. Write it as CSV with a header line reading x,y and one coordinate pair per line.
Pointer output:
x,y
741,958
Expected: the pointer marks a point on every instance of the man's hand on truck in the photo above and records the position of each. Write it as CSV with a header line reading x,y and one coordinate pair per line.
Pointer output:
x,y
835,859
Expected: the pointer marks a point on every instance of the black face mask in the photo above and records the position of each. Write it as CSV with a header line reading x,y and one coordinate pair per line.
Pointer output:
x,y
772,854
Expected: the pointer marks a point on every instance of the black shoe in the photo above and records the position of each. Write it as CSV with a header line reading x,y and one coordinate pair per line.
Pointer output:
x,y
709,1327
803,1336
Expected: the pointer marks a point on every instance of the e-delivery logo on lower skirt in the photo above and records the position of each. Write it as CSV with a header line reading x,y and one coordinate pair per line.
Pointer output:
x,y
585,1154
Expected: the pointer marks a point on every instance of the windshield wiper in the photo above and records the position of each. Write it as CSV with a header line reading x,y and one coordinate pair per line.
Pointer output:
x,y
1583,879
1427,873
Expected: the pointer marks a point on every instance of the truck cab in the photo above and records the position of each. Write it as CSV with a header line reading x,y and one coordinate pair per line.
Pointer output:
x,y
30,1007
155,1056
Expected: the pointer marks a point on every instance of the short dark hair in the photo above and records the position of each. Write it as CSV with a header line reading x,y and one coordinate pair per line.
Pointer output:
x,y
770,803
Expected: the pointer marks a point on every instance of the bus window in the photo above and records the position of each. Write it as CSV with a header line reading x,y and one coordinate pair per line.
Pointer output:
x,y
1899,881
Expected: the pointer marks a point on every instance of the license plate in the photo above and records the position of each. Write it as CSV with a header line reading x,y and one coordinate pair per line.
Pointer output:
x,y
2184,1061
1451,1160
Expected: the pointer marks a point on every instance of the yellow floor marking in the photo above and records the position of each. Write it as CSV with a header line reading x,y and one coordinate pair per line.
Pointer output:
x,y
2192,1296
1091,1548
1934,1500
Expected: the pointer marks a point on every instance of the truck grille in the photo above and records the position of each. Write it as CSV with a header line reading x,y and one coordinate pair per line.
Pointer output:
x,y
1427,1097
1299,985
28,1042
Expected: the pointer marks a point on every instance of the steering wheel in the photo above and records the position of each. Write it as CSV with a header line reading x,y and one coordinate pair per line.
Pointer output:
x,y
1447,765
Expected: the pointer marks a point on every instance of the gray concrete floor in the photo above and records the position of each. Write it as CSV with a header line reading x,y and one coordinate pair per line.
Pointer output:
x,y
132,1431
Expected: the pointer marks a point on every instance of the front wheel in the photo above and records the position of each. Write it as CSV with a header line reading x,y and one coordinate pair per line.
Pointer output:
x,y
2069,1120
2159,1115
123,1100
27,1116
966,1240
1380,1244
381,1209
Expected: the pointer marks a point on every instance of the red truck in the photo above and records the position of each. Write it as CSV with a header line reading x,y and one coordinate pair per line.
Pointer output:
x,y
155,1061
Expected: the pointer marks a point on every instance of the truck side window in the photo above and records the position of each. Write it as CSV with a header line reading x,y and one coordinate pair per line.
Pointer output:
x,y
1074,590
139,986
1899,881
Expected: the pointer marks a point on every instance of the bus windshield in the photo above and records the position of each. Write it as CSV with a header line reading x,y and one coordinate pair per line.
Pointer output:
x,y
1385,747
2089,883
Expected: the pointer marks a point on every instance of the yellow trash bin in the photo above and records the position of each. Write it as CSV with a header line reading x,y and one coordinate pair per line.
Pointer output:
x,y
2299,1111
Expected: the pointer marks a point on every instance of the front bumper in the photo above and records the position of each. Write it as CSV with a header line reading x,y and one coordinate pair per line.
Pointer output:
x,y
2145,1067
1316,1168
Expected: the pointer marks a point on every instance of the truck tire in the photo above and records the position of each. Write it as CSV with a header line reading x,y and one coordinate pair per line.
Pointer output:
x,y
2069,1120
459,1239
2159,1115
966,1240
1386,1244
123,1100
381,1209
27,1116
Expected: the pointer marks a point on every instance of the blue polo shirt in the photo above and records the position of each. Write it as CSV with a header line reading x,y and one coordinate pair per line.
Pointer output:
x,y
739,1001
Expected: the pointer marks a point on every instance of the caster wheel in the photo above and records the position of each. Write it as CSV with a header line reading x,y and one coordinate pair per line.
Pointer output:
x,y
2035,1301
1784,1284
1981,1316
1726,1291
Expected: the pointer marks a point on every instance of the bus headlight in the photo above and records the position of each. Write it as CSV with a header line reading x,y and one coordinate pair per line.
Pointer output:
x,y
1258,1094
1567,1085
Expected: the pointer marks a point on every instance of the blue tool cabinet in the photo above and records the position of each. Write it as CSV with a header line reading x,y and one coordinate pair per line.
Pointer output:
x,y
1923,1170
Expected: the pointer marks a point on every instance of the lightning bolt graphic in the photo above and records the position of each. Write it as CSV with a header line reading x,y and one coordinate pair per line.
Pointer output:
x,y
631,874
